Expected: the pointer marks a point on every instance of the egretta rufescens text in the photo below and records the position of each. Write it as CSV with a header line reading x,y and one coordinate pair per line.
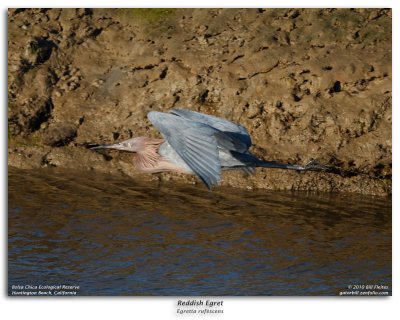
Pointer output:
x,y
199,144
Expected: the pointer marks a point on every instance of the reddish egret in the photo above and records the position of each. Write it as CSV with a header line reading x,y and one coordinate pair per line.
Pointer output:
x,y
196,143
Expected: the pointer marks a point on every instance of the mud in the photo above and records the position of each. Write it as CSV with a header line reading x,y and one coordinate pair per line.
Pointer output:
x,y
306,83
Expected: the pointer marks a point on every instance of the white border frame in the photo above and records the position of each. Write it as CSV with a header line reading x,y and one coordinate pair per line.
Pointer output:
x,y
165,307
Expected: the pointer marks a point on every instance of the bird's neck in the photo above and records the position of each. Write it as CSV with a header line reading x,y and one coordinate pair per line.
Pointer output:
x,y
147,158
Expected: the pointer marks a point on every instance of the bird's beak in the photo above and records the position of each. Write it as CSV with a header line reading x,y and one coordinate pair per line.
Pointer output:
x,y
115,146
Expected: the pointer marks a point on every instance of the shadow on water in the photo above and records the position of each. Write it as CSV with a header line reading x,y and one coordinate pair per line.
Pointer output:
x,y
117,236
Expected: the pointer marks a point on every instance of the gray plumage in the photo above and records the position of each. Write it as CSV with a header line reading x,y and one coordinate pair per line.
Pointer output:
x,y
199,144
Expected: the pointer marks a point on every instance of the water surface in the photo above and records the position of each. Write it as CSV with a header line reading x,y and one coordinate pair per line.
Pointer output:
x,y
118,236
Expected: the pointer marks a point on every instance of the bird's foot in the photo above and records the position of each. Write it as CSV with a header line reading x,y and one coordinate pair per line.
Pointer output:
x,y
313,165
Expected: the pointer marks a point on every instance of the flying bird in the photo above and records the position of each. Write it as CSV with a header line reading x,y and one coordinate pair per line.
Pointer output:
x,y
199,144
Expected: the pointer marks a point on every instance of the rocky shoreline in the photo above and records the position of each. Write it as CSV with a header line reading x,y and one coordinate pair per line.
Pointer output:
x,y
306,83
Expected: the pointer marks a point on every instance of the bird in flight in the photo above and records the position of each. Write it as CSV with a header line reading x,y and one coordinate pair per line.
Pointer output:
x,y
199,144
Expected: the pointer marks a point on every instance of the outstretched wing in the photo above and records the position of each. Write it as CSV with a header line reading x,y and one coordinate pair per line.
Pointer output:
x,y
194,142
238,135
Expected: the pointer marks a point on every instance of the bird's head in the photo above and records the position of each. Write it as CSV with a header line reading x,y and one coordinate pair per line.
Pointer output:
x,y
130,145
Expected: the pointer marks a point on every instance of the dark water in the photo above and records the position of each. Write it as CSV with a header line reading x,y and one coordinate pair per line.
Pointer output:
x,y
114,236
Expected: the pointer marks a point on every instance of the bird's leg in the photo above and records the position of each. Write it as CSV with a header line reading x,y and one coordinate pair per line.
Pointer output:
x,y
310,166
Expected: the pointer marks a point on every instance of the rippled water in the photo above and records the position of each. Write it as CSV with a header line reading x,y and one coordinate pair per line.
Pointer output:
x,y
117,236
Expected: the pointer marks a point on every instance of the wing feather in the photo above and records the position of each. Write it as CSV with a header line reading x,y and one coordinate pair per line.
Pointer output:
x,y
207,159
232,136
194,142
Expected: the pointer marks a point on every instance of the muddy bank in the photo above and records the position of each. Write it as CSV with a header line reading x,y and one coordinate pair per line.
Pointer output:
x,y
307,84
